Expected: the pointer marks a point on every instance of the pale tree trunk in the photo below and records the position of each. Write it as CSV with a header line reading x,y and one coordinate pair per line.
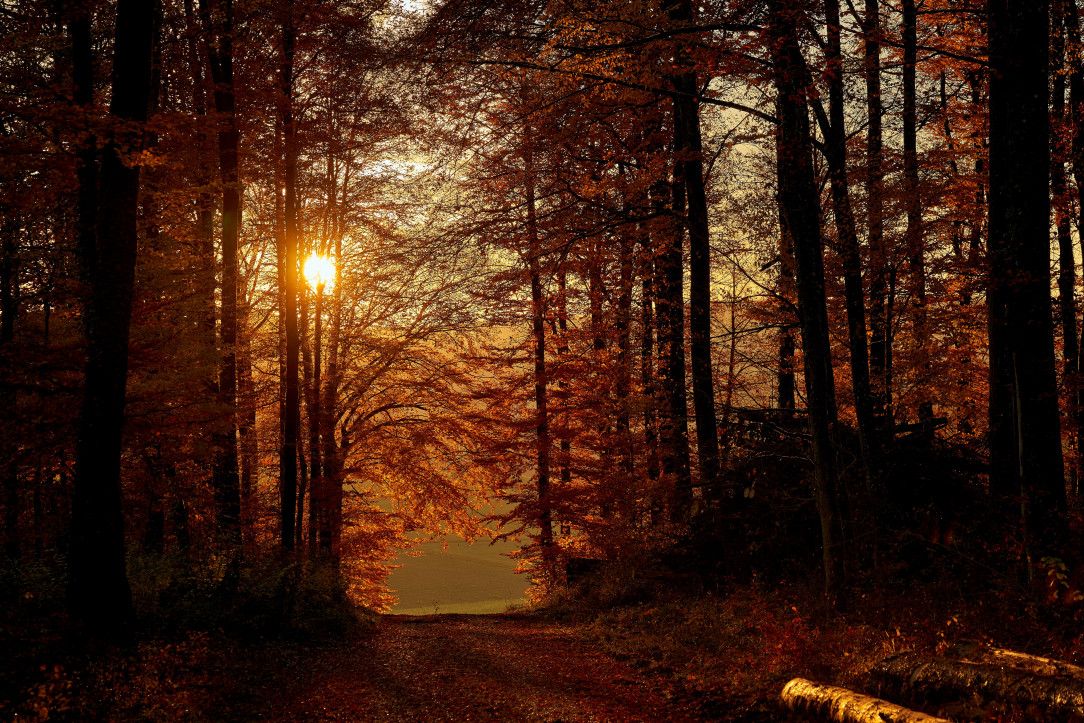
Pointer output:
x,y
831,703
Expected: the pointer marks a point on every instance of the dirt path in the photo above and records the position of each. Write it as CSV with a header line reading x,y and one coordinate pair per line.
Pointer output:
x,y
473,668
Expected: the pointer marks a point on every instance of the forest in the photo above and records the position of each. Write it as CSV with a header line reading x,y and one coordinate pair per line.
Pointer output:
x,y
754,324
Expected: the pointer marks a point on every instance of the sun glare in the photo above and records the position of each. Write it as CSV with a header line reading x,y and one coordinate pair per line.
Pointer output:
x,y
319,271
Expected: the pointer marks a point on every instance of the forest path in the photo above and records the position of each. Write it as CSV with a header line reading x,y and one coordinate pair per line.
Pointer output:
x,y
473,668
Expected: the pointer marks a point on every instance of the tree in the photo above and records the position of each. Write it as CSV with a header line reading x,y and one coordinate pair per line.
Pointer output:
x,y
801,214
1025,439
98,585
291,409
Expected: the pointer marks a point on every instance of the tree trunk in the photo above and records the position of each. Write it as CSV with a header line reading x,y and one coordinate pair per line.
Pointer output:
x,y
1025,440
308,391
219,25
835,141
688,153
1076,103
1062,216
318,494
978,652
564,459
247,430
785,381
538,327
916,245
99,595
801,208
333,462
829,703
647,354
880,390
624,363
205,216
671,312
288,493
910,676
9,309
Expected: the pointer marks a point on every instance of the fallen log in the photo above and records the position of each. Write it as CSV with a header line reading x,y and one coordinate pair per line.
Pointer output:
x,y
972,651
827,702
913,677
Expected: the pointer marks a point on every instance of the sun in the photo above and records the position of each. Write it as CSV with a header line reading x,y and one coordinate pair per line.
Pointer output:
x,y
319,271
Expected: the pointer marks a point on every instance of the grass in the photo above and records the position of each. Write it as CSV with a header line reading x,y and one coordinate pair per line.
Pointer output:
x,y
458,577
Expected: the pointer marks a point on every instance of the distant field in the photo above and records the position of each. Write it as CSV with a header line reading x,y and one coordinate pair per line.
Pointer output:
x,y
464,578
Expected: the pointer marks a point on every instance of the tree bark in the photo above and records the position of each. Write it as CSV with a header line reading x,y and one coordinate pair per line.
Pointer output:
x,y
1062,217
979,652
9,310
543,443
1025,439
785,288
688,153
916,245
1076,114
910,676
801,208
623,323
670,305
99,595
835,142
880,390
288,492
830,703
219,22
333,462
318,494
247,430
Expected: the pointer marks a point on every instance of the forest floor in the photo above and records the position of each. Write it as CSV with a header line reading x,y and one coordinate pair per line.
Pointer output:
x,y
475,667
449,667
665,658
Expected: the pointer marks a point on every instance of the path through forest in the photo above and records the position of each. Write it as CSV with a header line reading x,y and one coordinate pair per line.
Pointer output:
x,y
473,668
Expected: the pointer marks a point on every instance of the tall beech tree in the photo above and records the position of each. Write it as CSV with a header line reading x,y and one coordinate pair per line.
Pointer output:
x,y
915,235
218,21
800,208
1025,439
879,337
835,146
98,585
291,409
689,170
1071,19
